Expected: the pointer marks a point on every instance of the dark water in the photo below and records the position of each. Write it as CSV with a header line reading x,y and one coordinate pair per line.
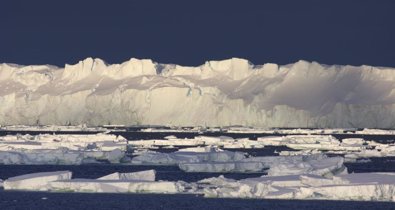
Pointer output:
x,y
39,200
136,134
170,173
44,200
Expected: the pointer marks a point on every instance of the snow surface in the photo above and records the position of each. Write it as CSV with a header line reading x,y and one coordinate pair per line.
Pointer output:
x,y
217,93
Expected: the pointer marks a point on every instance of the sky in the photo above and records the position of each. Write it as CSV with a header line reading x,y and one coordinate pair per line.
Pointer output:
x,y
187,32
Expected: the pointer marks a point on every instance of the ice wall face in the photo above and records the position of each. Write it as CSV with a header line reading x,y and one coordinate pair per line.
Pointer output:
x,y
218,93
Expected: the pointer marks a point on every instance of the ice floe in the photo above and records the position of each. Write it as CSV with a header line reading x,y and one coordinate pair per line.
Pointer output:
x,y
175,158
116,186
35,181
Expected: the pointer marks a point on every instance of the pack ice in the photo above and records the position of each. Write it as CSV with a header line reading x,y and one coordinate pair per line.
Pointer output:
x,y
134,182
217,93
359,186
61,149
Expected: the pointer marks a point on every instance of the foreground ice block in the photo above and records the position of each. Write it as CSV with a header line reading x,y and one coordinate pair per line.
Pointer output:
x,y
116,186
35,181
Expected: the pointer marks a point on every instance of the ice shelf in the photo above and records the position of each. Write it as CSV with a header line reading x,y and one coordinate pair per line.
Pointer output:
x,y
216,93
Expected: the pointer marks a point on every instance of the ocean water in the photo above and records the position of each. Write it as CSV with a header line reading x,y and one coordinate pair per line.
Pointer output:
x,y
85,201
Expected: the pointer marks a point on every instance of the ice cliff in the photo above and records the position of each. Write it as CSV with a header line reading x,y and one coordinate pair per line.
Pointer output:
x,y
217,93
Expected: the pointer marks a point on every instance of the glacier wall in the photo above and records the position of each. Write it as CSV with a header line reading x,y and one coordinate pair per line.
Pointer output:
x,y
217,93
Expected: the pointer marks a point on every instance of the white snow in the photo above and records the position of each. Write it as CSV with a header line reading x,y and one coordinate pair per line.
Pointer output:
x,y
236,92
35,181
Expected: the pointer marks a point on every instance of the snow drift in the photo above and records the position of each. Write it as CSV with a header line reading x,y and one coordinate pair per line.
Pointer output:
x,y
217,93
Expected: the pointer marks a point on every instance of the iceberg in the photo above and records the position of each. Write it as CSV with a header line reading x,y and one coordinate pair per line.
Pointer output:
x,y
216,93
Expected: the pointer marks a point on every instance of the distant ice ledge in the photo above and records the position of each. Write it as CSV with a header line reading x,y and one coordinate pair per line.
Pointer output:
x,y
217,93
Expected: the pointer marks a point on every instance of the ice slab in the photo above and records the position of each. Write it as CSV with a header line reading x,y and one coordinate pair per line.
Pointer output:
x,y
116,186
148,175
59,156
96,142
318,164
221,141
322,167
35,181
225,167
176,158
359,186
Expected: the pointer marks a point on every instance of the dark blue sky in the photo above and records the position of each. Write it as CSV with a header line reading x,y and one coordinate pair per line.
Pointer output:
x,y
190,32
